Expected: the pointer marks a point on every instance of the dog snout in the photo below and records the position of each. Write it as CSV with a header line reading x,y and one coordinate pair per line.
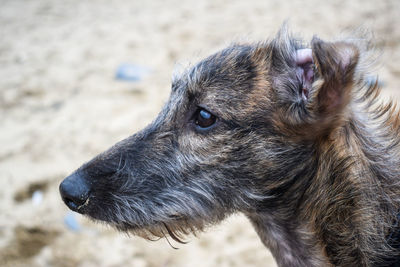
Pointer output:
x,y
75,191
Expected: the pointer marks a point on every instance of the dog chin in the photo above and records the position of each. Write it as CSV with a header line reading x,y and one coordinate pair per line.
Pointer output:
x,y
154,232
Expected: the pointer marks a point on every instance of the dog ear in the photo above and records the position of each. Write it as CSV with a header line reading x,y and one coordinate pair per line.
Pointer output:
x,y
326,72
335,64
314,86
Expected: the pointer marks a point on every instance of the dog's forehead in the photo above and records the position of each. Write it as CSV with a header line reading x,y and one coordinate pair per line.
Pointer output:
x,y
232,73
222,69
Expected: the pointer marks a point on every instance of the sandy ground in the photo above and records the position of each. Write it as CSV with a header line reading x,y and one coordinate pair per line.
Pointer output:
x,y
60,104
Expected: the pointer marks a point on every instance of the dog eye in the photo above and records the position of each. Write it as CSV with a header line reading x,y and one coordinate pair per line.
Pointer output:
x,y
204,119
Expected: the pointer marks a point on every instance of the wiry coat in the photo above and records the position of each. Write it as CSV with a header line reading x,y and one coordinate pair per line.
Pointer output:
x,y
302,146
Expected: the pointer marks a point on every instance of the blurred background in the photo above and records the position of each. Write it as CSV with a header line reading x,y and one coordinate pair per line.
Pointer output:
x,y
78,76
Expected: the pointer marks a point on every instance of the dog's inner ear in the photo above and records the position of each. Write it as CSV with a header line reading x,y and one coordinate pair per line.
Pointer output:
x,y
304,70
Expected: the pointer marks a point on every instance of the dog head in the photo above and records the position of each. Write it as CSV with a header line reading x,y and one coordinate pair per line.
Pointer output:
x,y
236,134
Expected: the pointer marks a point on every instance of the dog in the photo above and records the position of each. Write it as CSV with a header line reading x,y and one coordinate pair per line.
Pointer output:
x,y
291,134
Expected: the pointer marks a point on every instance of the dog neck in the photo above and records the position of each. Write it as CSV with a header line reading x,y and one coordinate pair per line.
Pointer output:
x,y
342,214
290,246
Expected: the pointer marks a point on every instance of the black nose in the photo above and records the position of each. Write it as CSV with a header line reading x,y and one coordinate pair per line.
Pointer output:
x,y
74,191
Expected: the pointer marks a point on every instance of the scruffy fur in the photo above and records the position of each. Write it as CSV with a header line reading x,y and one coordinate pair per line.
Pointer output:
x,y
314,164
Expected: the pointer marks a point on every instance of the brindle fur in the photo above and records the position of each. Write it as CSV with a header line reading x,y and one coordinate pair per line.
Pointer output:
x,y
316,176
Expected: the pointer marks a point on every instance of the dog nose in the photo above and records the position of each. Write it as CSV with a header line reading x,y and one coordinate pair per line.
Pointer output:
x,y
74,191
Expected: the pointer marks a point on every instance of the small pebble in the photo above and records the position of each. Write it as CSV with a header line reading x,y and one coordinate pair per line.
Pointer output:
x,y
37,197
131,72
71,222
371,80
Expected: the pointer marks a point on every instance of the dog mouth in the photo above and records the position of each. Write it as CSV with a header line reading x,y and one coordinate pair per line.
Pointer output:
x,y
175,226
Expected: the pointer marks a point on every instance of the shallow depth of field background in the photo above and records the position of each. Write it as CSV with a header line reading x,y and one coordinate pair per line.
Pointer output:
x,y
61,104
